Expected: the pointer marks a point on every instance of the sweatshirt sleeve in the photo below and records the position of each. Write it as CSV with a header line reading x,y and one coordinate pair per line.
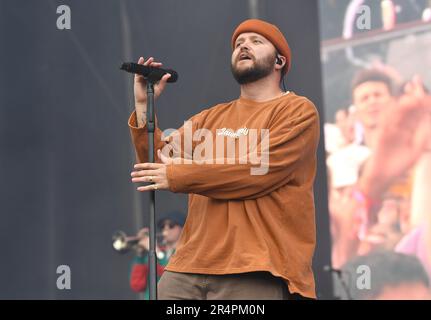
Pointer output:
x,y
140,139
174,140
293,139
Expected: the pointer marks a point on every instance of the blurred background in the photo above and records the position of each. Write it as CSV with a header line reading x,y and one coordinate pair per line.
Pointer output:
x,y
370,50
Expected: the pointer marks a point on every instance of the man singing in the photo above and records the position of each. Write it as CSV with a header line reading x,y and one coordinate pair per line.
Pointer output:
x,y
250,229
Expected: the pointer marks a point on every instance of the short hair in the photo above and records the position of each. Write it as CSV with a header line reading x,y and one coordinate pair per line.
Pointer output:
x,y
387,268
372,75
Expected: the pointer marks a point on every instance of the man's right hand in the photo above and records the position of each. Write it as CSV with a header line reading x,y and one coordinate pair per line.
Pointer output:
x,y
140,89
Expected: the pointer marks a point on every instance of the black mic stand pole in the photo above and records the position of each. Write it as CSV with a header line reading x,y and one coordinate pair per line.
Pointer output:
x,y
151,126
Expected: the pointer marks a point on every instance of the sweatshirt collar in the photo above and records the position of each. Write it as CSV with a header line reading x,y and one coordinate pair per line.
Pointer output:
x,y
253,102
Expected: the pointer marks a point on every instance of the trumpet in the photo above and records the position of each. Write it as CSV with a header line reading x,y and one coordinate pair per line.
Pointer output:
x,y
123,243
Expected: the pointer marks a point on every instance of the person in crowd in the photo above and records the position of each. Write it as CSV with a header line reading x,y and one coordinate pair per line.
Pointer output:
x,y
385,275
170,226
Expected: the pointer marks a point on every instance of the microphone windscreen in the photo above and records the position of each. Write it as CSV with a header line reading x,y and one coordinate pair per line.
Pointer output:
x,y
174,75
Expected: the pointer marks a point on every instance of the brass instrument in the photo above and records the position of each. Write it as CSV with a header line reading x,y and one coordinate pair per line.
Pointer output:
x,y
123,243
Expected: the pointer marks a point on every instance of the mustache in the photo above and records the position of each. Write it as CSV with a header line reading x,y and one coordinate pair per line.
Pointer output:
x,y
244,52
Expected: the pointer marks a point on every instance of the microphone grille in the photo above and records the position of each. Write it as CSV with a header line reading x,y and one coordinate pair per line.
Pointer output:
x,y
174,75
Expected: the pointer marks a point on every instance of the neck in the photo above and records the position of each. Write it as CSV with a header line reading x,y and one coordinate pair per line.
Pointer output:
x,y
261,90
171,245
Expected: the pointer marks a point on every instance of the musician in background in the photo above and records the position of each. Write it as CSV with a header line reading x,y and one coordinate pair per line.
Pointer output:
x,y
170,227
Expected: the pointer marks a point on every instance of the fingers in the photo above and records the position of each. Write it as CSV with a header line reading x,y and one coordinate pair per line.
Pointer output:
x,y
151,187
150,165
418,86
414,98
143,232
153,173
151,179
147,172
144,173
145,188
408,88
162,83
150,62
415,87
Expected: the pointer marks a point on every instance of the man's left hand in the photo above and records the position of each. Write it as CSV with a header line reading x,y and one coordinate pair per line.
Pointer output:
x,y
154,173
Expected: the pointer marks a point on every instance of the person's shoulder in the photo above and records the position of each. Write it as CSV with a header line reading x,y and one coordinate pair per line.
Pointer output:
x,y
215,109
293,105
222,106
300,102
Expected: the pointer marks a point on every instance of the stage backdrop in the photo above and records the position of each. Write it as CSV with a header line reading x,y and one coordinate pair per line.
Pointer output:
x,y
66,155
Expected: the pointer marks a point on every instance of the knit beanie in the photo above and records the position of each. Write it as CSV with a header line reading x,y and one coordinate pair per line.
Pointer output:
x,y
270,32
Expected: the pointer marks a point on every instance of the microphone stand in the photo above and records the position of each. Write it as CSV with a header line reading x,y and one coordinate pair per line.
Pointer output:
x,y
152,77
339,273
151,126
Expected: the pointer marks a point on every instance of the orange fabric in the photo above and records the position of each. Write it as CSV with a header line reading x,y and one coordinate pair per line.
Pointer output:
x,y
270,32
238,222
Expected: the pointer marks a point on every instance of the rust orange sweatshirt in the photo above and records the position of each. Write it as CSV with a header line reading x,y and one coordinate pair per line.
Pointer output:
x,y
237,221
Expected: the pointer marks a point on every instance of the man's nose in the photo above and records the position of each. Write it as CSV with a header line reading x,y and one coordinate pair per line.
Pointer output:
x,y
244,46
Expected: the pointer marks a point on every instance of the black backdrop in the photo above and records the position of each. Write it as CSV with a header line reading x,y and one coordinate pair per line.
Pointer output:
x,y
65,149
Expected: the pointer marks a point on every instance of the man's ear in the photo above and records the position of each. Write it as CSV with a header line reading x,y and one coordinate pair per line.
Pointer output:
x,y
280,60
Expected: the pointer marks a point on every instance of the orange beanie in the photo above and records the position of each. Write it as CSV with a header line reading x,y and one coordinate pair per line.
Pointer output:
x,y
270,32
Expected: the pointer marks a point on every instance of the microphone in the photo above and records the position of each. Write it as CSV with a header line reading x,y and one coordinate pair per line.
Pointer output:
x,y
154,74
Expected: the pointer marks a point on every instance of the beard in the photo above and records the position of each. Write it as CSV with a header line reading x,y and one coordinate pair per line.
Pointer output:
x,y
258,70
